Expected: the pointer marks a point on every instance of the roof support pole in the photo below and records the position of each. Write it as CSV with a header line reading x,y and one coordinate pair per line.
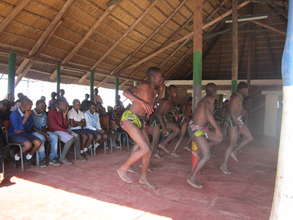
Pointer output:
x,y
92,81
234,45
116,90
197,50
283,196
58,78
11,73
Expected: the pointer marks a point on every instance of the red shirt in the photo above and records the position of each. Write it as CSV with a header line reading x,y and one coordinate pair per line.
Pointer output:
x,y
56,121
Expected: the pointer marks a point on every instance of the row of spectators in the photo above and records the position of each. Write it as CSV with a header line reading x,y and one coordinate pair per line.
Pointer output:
x,y
77,126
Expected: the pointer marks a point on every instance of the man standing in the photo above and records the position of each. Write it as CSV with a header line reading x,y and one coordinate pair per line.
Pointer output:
x,y
236,125
143,98
61,96
202,116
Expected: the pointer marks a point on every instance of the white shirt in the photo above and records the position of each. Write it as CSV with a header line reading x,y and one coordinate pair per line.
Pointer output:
x,y
76,116
92,121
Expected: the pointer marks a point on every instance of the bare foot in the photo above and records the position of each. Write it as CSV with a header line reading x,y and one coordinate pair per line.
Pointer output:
x,y
130,170
194,185
225,170
122,173
163,148
175,155
234,157
144,181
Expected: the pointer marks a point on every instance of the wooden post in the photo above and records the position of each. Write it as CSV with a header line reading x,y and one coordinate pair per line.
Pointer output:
x,y
197,50
116,90
11,73
235,45
58,78
92,81
283,195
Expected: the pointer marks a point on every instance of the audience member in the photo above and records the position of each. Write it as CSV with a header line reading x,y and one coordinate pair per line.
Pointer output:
x,y
53,101
21,129
58,123
93,124
85,105
97,97
77,124
41,131
61,96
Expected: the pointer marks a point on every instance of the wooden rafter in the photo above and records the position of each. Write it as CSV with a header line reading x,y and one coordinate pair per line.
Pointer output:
x,y
20,6
188,36
266,26
43,39
131,28
122,64
85,38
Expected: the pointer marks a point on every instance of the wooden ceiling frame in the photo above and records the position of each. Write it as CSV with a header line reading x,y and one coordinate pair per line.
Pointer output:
x,y
188,36
13,14
21,70
85,38
122,64
131,28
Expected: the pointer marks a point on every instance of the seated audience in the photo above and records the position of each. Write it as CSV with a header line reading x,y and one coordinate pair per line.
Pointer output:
x,y
93,124
85,105
77,124
41,131
58,123
21,129
53,101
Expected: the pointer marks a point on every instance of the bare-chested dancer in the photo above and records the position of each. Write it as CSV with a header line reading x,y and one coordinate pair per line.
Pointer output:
x,y
236,126
202,116
163,118
132,121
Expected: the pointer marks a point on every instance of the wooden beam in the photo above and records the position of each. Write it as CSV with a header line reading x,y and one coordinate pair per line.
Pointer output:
x,y
122,64
266,26
197,51
188,36
45,36
186,54
23,73
101,59
85,38
19,7
88,34
50,28
235,49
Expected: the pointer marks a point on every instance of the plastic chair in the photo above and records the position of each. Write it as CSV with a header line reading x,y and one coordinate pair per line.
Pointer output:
x,y
10,145
120,139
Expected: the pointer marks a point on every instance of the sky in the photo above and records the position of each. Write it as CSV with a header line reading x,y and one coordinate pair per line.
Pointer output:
x,y
34,89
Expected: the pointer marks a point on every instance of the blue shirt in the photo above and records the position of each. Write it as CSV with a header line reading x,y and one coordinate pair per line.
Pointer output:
x,y
40,120
92,121
16,118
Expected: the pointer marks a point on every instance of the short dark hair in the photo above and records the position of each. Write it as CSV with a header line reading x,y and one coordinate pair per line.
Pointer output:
x,y
40,101
210,87
75,100
242,85
152,70
25,101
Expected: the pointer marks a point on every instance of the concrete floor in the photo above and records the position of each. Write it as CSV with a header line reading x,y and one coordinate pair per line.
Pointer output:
x,y
92,190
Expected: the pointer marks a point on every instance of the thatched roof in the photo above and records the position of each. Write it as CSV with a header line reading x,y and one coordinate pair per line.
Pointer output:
x,y
109,36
